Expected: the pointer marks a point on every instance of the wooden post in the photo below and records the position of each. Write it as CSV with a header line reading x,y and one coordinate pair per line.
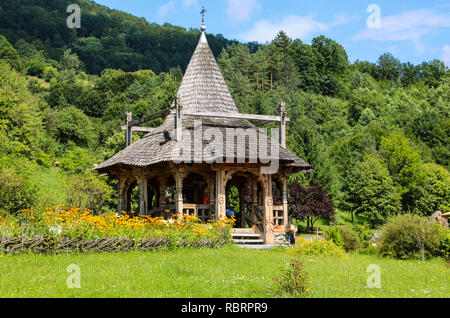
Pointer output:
x,y
128,132
179,176
268,211
221,195
162,196
283,124
178,121
121,202
143,195
285,202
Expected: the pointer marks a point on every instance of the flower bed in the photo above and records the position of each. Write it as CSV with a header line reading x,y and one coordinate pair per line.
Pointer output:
x,y
64,229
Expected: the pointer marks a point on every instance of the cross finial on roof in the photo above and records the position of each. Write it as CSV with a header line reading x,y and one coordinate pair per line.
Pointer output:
x,y
203,28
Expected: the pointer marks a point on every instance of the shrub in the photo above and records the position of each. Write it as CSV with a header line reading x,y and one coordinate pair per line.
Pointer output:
x,y
77,160
345,237
317,248
364,232
334,235
294,280
88,192
16,192
410,236
350,238
444,249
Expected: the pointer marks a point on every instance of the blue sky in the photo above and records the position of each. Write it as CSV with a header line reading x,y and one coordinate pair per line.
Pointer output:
x,y
412,30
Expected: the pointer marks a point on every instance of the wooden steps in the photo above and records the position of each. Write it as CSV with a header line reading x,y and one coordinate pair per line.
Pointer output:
x,y
247,238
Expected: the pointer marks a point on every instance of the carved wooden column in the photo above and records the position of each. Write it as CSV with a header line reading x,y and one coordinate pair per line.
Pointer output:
x,y
268,211
162,194
121,197
221,195
143,194
285,202
179,176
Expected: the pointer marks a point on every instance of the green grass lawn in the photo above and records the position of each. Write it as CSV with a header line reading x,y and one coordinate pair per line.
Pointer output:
x,y
219,273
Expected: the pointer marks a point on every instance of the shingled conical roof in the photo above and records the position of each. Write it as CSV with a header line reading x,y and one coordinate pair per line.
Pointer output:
x,y
203,88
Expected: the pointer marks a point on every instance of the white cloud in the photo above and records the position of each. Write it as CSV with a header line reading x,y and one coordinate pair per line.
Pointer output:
x,y
446,55
408,25
242,10
165,10
295,27
190,3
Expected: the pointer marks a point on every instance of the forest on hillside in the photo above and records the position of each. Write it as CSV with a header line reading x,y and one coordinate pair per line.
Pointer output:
x,y
377,134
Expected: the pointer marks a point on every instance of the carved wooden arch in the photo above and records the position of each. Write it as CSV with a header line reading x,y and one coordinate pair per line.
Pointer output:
x,y
127,181
259,178
230,174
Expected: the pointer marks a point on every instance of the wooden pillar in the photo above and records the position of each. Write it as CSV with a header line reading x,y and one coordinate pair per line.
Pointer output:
x,y
285,202
121,196
128,131
221,195
269,236
162,195
179,176
143,195
283,124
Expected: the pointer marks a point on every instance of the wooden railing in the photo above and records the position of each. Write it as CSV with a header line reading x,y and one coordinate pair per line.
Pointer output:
x,y
202,211
278,217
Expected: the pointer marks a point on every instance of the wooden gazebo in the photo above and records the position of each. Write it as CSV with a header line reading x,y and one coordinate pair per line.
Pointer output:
x,y
197,185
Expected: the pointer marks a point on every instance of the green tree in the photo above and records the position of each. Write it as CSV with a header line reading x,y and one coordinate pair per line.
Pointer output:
x,y
71,124
402,161
371,193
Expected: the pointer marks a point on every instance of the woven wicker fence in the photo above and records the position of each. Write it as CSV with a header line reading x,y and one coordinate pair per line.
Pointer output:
x,y
68,245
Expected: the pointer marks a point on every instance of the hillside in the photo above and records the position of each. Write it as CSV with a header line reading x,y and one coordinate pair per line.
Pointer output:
x,y
108,38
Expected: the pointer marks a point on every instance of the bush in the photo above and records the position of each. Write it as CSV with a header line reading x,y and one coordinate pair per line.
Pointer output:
x,y
350,238
16,192
294,280
444,249
88,192
77,160
345,237
317,248
334,235
364,232
410,236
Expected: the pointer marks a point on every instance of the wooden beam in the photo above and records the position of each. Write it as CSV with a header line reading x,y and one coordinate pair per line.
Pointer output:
x,y
261,118
146,119
139,129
